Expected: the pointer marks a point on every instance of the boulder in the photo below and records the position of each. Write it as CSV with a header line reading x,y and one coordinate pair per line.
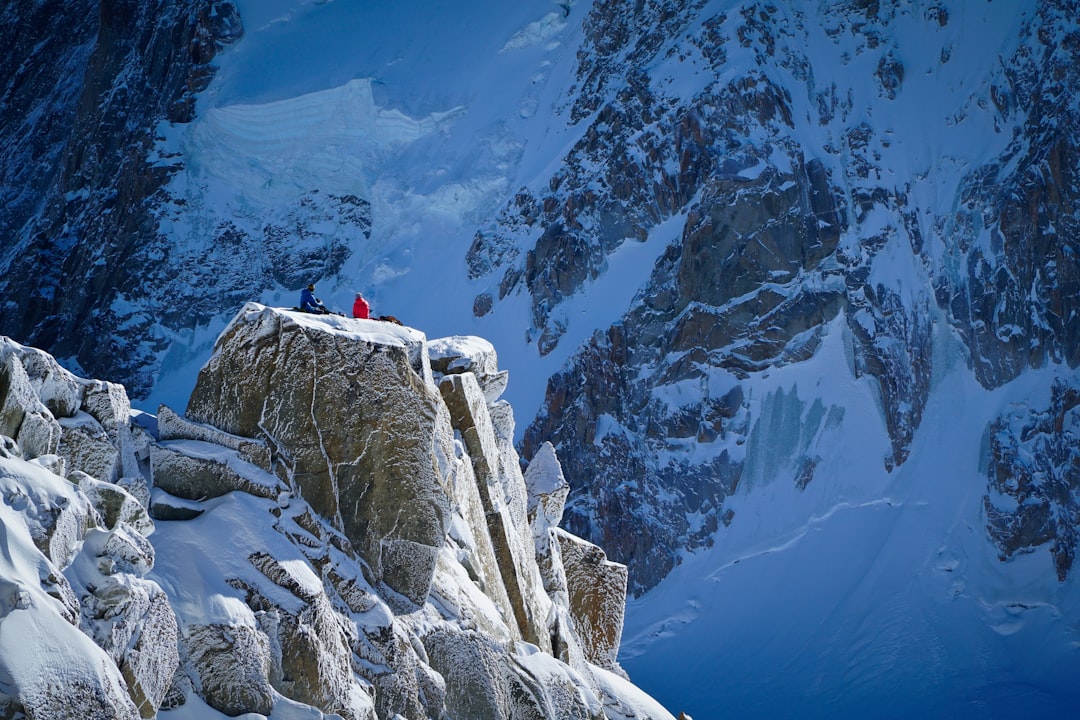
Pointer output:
x,y
486,682
466,353
350,407
59,390
597,590
87,447
113,503
312,652
171,426
108,403
196,470
471,663
129,617
17,396
39,434
232,667
164,506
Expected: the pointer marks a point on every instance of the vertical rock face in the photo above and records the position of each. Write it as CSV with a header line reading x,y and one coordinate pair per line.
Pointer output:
x,y
354,424
1034,469
86,85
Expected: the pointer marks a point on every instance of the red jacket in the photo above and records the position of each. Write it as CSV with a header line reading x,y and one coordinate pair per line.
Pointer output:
x,y
360,308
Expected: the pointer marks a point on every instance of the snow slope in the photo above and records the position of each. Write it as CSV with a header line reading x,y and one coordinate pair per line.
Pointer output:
x,y
870,595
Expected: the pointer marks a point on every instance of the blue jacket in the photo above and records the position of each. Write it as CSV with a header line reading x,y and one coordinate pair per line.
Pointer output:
x,y
308,301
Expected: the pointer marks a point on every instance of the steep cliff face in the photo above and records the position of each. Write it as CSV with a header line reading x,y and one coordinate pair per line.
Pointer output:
x,y
1034,470
802,199
86,86
338,525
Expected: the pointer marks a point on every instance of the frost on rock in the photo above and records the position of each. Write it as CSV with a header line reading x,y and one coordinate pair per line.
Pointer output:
x,y
597,589
1034,479
50,668
515,554
348,407
333,534
466,353
231,665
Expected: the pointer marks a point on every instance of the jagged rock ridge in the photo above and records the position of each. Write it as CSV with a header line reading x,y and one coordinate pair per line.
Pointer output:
x,y
381,553
792,213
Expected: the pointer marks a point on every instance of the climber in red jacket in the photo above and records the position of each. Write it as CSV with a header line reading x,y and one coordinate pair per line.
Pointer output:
x,y
360,308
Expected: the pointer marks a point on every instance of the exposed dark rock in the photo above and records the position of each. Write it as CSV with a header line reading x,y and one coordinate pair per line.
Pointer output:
x,y
1034,469
95,78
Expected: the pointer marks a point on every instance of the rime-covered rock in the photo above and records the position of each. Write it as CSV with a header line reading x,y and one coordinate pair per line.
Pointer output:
x,y
87,448
597,590
447,613
129,617
114,504
312,645
364,389
500,486
17,395
466,353
231,664
196,470
42,524
171,426
547,498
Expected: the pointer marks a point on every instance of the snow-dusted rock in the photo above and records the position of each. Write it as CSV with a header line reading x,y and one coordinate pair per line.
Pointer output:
x,y
129,617
171,426
231,665
312,645
17,395
516,559
197,470
547,498
407,596
57,388
393,659
356,422
485,682
597,589
39,434
1033,462
468,353
87,447
50,669
547,489
114,504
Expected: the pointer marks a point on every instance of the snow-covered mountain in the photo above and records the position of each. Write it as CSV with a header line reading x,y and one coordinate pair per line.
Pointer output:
x,y
792,288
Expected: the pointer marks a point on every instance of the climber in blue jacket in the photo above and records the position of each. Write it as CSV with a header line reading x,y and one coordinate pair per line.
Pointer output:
x,y
310,303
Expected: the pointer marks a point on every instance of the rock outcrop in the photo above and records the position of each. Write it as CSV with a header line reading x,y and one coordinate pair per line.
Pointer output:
x,y
83,631
339,522
1033,461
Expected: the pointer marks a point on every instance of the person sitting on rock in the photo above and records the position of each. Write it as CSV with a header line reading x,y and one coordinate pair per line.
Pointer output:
x,y
360,308
310,303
